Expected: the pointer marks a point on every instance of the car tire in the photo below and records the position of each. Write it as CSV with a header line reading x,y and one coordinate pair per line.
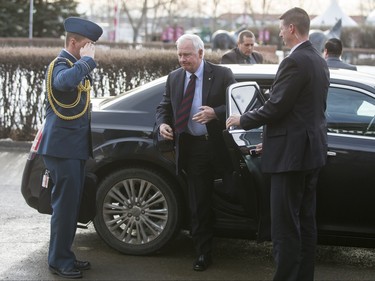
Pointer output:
x,y
137,211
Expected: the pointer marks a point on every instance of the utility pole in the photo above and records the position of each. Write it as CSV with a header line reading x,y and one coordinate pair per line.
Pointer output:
x,y
31,19
116,21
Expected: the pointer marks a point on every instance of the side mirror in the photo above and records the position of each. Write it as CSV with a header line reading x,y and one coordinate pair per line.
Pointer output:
x,y
243,96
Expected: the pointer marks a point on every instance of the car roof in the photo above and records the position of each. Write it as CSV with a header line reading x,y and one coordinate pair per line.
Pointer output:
x,y
268,71
263,72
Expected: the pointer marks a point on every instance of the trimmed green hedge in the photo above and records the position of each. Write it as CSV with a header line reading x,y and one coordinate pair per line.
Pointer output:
x,y
22,73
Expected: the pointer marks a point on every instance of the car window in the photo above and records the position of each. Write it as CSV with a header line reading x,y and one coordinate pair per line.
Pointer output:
x,y
350,112
142,98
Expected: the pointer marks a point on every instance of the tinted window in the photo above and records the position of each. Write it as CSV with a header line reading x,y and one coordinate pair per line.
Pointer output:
x,y
350,112
141,99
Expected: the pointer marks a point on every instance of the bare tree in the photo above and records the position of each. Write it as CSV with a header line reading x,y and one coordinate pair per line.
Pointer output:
x,y
265,9
266,5
249,8
138,14
215,4
366,7
171,7
136,18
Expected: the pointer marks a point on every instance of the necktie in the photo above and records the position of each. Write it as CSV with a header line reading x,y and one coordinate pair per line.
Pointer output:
x,y
183,111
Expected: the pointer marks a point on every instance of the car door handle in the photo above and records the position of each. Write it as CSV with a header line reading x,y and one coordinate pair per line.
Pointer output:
x,y
331,153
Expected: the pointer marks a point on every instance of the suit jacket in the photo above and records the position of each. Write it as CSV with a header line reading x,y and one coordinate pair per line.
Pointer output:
x,y
234,56
295,135
216,79
335,62
68,138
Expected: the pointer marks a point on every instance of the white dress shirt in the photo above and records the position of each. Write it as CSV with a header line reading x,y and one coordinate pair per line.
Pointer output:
x,y
195,128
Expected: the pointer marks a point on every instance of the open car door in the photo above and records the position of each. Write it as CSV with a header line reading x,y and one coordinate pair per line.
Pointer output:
x,y
253,185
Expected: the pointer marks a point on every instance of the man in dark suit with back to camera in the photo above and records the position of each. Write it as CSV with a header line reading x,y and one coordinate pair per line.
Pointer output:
x,y
66,139
197,133
244,52
294,147
332,53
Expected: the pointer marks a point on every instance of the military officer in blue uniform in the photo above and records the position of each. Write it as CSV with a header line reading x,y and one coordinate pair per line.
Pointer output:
x,y
66,140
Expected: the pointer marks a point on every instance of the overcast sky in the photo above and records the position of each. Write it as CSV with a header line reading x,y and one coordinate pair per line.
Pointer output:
x,y
314,7
350,7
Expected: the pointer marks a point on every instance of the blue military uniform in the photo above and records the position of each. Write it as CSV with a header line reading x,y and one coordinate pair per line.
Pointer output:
x,y
66,141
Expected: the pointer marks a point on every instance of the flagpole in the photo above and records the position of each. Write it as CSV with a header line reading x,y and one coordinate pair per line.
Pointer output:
x,y
31,19
117,20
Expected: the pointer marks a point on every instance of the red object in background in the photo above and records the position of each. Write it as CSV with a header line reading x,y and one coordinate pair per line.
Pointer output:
x,y
171,34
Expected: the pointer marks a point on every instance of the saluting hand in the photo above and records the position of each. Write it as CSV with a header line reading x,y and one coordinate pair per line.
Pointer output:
x,y
88,50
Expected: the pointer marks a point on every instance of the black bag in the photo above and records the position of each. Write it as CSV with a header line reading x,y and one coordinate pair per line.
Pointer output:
x,y
161,143
87,210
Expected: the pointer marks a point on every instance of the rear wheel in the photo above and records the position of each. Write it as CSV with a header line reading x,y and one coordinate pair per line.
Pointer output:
x,y
137,211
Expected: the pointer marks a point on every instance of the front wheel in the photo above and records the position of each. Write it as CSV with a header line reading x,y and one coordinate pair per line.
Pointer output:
x,y
137,211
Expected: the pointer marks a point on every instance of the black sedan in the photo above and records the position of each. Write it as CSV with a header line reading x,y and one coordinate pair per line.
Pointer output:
x,y
141,203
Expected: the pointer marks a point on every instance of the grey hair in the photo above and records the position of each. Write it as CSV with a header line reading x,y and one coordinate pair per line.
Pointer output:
x,y
195,39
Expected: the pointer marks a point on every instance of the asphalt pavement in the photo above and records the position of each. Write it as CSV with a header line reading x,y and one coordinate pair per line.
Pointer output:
x,y
24,235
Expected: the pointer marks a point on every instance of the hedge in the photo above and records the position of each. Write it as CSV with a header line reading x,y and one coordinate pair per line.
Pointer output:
x,y
22,73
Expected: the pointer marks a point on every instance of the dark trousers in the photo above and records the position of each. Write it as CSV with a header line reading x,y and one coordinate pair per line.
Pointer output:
x,y
197,157
68,178
293,224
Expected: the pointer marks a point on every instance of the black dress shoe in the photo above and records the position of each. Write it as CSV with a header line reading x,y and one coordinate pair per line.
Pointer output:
x,y
202,262
66,273
82,265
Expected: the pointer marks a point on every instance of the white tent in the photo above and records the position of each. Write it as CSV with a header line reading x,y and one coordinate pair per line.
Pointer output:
x,y
332,15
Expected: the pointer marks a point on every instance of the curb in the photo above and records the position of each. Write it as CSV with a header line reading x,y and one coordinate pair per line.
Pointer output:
x,y
12,146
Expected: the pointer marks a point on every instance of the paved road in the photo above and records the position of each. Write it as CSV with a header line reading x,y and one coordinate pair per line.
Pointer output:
x,y
24,243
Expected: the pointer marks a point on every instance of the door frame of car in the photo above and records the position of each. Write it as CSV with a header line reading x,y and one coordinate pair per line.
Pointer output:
x,y
241,97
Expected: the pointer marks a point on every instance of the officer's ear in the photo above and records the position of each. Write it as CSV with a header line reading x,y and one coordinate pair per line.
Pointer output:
x,y
72,41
